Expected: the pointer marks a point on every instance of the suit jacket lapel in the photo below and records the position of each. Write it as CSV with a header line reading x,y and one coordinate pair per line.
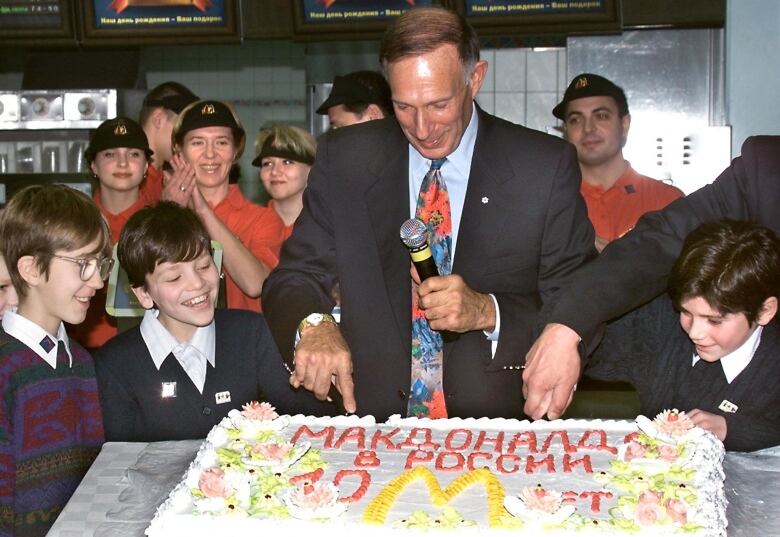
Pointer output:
x,y
485,205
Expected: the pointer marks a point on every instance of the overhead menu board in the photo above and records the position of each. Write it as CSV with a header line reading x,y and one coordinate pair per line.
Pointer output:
x,y
350,19
160,21
542,16
36,20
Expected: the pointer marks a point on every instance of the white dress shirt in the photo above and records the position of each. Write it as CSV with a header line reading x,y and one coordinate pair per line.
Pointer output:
x,y
192,355
31,335
737,360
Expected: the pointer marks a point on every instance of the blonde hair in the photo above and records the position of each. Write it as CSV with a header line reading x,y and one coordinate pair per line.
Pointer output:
x,y
295,142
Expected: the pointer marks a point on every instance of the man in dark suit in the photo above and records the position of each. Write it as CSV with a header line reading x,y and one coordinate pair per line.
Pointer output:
x,y
519,228
634,269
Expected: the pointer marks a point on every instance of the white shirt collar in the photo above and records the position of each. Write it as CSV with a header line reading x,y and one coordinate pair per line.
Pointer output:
x,y
735,362
161,343
31,335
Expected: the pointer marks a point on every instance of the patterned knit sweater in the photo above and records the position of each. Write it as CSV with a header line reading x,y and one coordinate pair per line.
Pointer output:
x,y
51,429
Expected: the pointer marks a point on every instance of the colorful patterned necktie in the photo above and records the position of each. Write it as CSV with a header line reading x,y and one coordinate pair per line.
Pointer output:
x,y
426,397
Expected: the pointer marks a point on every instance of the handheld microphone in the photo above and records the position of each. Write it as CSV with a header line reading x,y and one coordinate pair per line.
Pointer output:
x,y
414,235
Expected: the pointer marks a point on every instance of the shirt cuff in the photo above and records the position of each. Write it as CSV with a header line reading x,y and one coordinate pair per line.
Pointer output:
x,y
493,336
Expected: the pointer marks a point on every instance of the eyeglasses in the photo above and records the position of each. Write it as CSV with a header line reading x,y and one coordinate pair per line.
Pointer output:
x,y
89,265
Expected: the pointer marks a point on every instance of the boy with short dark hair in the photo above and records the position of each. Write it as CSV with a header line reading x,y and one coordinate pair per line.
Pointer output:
x,y
186,366
56,246
719,360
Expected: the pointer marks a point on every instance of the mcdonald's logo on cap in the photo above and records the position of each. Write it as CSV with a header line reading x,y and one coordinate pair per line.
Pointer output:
x,y
582,82
207,109
120,129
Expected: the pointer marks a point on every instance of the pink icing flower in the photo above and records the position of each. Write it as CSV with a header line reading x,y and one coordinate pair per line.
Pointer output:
x,y
667,453
648,511
677,511
673,422
315,495
541,500
635,450
259,411
213,485
275,452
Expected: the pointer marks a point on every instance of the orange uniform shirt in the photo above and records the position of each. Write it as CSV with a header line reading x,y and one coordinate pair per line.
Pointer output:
x,y
614,211
98,326
259,229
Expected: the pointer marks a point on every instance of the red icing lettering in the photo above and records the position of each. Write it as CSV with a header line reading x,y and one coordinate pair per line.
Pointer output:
x,y
630,437
457,464
308,478
477,455
569,463
498,442
416,456
595,498
563,436
532,464
448,442
353,434
514,459
599,445
385,438
360,491
413,442
526,439
569,496
327,432
367,459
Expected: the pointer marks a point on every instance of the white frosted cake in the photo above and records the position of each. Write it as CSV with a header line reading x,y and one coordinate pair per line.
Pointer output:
x,y
262,474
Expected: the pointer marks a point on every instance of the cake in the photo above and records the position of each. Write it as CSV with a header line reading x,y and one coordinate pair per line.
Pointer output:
x,y
262,474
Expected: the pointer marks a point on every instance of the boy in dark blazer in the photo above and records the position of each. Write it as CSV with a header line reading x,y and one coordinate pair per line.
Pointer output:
x,y
719,360
186,365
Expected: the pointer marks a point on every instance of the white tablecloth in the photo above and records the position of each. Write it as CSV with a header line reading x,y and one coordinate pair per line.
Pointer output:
x,y
126,483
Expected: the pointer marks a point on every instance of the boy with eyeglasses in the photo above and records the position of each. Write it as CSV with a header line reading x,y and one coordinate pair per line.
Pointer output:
x,y
57,249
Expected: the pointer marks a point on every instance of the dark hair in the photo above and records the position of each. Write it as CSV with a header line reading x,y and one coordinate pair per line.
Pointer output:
x,y
170,95
41,220
164,233
377,85
424,29
733,265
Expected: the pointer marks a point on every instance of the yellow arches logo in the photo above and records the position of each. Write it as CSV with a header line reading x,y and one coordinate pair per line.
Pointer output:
x,y
377,510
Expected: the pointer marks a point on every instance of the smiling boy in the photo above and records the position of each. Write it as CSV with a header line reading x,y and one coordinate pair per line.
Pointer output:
x,y
717,359
186,366
56,246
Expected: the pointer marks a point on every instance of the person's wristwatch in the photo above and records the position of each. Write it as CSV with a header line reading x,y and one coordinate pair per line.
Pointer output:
x,y
312,319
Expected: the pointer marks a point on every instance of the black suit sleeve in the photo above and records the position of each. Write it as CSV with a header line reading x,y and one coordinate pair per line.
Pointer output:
x,y
305,278
635,268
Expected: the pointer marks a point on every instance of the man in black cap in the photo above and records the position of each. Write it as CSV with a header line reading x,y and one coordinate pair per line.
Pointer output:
x,y
595,119
357,97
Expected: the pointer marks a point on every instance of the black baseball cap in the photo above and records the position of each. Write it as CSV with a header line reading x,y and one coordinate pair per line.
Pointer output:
x,y
346,90
590,85
207,114
118,132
